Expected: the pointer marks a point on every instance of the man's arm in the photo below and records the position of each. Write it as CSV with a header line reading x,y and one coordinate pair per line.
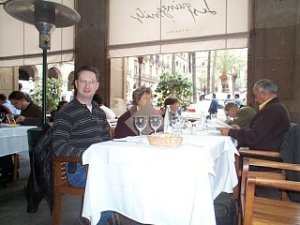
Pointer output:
x,y
263,126
61,136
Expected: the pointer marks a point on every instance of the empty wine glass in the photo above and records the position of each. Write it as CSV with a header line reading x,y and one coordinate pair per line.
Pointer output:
x,y
155,122
140,123
2,117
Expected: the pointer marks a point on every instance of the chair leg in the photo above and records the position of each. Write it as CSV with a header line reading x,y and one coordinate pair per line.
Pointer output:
x,y
57,203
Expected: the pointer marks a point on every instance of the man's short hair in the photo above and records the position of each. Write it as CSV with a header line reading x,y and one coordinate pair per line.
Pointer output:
x,y
266,85
170,101
87,68
17,95
230,105
138,93
3,97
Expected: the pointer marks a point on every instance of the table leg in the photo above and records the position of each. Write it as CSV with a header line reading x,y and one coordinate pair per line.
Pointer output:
x,y
16,166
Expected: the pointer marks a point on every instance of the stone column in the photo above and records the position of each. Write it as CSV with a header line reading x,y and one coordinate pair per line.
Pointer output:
x,y
274,50
91,41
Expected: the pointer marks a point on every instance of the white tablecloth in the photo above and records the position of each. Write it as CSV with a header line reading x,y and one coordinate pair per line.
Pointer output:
x,y
160,186
13,139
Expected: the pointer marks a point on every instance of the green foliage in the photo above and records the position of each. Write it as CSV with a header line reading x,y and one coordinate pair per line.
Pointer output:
x,y
54,90
174,85
227,62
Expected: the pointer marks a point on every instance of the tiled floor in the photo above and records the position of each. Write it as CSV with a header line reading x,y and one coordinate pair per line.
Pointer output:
x,y
13,204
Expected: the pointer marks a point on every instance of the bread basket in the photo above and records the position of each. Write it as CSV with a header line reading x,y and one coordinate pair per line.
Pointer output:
x,y
165,140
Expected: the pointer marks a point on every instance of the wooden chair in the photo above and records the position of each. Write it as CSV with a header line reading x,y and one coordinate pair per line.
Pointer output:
x,y
61,186
261,210
260,154
257,154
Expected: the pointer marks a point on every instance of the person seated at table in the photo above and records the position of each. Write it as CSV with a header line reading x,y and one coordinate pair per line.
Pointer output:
x,y
6,103
174,104
31,114
4,111
80,123
110,115
239,117
267,128
141,99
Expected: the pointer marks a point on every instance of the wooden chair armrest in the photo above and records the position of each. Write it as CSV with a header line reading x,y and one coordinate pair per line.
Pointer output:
x,y
273,183
271,164
259,153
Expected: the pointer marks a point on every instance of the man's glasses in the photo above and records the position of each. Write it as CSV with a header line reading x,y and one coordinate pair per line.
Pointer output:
x,y
88,82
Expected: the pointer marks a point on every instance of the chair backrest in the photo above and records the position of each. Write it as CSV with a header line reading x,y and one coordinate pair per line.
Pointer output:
x,y
34,135
61,186
60,181
269,211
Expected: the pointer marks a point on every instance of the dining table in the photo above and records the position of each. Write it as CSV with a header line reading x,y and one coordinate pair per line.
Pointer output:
x,y
13,140
159,185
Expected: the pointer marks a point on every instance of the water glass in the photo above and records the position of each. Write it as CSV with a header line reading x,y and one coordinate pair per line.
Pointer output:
x,y
155,122
140,123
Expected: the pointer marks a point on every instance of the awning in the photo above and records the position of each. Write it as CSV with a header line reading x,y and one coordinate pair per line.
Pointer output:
x,y
141,27
19,42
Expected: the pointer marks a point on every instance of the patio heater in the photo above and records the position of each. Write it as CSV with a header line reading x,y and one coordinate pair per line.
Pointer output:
x,y
45,16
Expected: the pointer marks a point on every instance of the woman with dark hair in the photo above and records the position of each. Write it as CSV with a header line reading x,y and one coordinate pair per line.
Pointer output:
x,y
141,97
173,102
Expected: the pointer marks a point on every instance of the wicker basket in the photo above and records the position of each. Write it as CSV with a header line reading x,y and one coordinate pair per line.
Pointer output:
x,y
164,140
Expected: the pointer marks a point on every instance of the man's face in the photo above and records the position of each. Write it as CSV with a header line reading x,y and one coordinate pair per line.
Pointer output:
x,y
232,112
17,103
86,84
260,95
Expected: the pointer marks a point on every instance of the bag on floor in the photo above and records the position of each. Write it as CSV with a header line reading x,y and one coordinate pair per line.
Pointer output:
x,y
225,209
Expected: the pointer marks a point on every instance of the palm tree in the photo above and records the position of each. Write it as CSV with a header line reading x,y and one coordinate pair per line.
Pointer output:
x,y
228,64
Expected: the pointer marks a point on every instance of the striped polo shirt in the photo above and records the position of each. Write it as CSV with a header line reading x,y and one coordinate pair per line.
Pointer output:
x,y
76,128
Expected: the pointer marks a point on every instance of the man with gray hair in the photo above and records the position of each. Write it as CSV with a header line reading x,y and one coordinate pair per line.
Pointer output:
x,y
267,128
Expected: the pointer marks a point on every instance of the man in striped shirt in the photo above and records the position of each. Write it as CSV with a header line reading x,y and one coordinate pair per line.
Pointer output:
x,y
79,124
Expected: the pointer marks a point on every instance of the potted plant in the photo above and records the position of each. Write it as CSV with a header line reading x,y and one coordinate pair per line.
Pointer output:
x,y
53,94
174,85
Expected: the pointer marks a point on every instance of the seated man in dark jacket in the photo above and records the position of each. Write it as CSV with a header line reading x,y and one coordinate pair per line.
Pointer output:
x,y
31,114
267,128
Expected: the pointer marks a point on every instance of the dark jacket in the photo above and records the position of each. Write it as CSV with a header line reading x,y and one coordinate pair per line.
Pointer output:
x,y
267,128
33,115
122,130
290,153
40,183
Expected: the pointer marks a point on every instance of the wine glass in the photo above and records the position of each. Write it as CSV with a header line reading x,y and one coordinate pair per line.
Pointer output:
x,y
2,117
177,121
140,123
155,122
